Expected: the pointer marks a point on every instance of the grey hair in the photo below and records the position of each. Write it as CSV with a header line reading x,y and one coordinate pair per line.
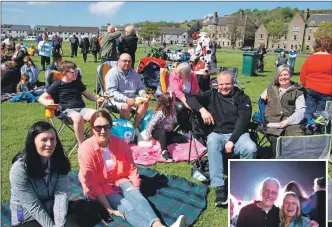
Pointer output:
x,y
185,70
130,29
270,180
18,46
279,70
224,73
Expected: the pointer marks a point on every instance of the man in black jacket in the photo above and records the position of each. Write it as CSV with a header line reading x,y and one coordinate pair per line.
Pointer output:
x,y
74,45
85,45
128,44
228,111
317,202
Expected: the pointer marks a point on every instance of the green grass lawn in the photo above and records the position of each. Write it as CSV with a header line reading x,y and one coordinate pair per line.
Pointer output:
x,y
18,117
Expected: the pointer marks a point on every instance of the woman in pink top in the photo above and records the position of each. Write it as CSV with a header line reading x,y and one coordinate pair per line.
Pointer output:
x,y
183,82
108,174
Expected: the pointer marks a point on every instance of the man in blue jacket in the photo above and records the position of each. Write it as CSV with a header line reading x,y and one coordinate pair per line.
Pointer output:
x,y
228,112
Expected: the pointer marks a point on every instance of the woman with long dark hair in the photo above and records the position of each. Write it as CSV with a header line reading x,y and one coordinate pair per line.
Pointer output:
x,y
39,180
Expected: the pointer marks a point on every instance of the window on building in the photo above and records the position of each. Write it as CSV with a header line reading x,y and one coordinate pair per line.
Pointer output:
x,y
285,37
294,37
300,47
184,36
307,47
309,38
227,43
65,38
82,33
65,33
296,28
223,43
224,35
38,29
272,45
295,47
262,35
278,46
219,35
284,46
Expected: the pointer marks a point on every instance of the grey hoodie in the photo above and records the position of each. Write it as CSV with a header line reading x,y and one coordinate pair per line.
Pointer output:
x,y
123,86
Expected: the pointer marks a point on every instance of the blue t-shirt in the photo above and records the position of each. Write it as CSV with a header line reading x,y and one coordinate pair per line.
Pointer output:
x,y
292,52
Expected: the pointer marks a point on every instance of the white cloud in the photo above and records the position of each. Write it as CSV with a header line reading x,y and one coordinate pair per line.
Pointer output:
x,y
13,10
36,3
107,9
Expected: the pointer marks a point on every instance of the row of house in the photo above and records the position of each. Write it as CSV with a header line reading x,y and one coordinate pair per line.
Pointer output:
x,y
299,33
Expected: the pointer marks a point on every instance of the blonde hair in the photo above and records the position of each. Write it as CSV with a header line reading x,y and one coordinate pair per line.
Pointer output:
x,y
130,29
279,70
298,209
10,64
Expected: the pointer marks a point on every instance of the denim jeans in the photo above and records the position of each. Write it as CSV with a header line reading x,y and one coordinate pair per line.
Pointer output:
x,y
132,204
315,101
292,63
244,147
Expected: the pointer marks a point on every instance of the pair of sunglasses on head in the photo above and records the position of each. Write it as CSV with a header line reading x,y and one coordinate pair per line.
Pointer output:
x,y
98,128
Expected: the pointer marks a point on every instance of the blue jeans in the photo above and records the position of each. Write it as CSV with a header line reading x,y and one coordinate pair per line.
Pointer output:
x,y
292,63
132,204
244,147
315,101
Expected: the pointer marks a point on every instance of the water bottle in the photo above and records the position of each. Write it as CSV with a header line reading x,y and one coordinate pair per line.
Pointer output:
x,y
20,216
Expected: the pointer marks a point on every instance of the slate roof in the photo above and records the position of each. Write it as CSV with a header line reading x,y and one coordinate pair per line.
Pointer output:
x,y
172,31
67,29
19,28
319,18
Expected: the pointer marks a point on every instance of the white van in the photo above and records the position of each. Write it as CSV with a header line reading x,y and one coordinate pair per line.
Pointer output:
x,y
31,38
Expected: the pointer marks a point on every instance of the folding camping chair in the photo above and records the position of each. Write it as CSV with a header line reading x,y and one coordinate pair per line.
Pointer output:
x,y
329,193
59,115
258,125
152,69
101,89
234,73
304,147
328,109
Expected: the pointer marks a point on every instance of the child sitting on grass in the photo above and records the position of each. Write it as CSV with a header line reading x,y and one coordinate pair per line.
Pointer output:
x,y
161,125
23,85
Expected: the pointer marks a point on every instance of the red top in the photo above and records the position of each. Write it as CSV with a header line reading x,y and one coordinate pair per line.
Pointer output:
x,y
316,73
93,174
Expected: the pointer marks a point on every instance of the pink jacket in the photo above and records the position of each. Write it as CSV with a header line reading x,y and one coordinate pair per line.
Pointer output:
x,y
175,85
93,174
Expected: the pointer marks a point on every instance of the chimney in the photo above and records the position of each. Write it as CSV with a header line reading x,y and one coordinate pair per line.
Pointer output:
x,y
215,15
306,15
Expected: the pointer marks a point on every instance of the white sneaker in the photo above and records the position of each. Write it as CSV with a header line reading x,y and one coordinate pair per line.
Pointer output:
x,y
181,222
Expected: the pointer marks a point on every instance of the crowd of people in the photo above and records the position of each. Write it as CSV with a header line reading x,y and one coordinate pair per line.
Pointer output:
x,y
107,172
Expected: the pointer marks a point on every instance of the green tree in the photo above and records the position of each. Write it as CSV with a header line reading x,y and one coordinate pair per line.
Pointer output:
x,y
324,30
235,29
276,29
149,31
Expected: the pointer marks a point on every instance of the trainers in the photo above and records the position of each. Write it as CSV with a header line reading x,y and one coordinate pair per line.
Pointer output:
x,y
221,196
180,222
166,155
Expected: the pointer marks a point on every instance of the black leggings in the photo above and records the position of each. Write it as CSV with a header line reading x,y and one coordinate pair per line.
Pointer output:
x,y
182,116
43,60
165,138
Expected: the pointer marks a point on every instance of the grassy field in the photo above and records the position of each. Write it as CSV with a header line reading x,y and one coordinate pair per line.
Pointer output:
x,y
18,117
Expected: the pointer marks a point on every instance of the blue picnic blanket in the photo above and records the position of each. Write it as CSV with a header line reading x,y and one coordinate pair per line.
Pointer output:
x,y
169,196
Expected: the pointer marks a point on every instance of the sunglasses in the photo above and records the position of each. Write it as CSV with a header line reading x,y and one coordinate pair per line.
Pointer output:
x,y
98,128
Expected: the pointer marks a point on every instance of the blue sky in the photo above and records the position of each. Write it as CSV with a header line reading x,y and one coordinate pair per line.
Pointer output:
x,y
101,13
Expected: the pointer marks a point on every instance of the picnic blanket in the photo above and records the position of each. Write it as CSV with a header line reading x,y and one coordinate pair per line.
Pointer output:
x,y
179,152
169,196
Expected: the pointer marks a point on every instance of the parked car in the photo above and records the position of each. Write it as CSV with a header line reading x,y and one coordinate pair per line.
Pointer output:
x,y
247,48
278,50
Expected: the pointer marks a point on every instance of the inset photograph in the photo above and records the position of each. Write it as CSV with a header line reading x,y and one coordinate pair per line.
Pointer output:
x,y
277,193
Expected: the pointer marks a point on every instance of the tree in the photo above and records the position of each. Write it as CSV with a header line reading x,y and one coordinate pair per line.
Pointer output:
x,y
207,31
324,30
149,31
276,29
235,29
